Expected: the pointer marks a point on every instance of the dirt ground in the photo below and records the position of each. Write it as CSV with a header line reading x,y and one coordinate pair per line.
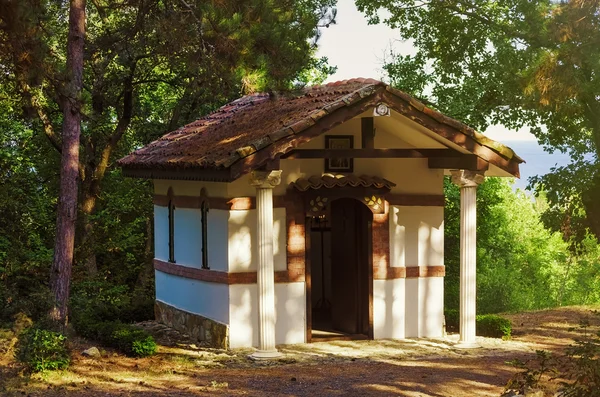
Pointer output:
x,y
431,367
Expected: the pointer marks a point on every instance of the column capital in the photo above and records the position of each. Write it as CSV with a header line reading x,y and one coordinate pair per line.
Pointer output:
x,y
466,178
265,179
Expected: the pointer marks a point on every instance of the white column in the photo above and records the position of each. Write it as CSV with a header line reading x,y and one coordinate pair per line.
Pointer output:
x,y
265,181
468,182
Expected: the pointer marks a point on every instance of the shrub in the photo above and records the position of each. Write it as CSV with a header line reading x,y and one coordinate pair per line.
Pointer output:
x,y
490,325
126,338
493,326
42,350
452,321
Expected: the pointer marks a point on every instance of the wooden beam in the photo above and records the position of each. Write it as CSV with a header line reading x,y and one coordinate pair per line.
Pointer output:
x,y
367,130
368,153
464,162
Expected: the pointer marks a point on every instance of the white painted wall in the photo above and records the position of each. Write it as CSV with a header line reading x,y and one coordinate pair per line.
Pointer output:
x,y
416,236
431,307
217,225
209,300
161,233
424,307
290,314
188,237
243,251
389,308
411,298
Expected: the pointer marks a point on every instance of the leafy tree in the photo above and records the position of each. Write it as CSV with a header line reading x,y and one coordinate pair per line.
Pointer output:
x,y
149,66
517,63
519,261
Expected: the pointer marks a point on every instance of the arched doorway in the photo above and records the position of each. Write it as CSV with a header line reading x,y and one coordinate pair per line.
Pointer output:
x,y
341,271
339,252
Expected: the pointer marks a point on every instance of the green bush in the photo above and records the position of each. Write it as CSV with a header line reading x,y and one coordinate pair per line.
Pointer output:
x,y
42,350
493,326
125,337
490,325
452,321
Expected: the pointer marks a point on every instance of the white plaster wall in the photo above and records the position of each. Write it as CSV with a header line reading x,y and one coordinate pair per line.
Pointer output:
x,y
389,308
290,314
217,239
188,237
424,307
416,236
290,311
161,233
243,312
411,298
431,306
243,250
209,300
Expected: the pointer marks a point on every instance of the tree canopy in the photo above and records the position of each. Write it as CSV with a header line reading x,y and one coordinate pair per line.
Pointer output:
x,y
517,63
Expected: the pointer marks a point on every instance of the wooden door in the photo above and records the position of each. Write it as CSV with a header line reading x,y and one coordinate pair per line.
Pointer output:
x,y
350,276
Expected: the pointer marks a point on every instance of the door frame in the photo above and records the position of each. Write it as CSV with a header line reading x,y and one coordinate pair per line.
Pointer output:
x,y
308,266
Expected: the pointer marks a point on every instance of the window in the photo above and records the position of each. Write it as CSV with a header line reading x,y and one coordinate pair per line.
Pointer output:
x,y
171,208
204,221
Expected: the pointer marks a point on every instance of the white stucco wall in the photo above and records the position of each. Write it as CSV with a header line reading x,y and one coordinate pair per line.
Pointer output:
x,y
243,252
416,236
424,307
389,308
161,233
209,300
188,237
218,234
290,314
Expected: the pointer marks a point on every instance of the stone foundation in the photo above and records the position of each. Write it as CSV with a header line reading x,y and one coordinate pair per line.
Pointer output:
x,y
197,327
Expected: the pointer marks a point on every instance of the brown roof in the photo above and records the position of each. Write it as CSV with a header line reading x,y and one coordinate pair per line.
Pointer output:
x,y
331,180
254,129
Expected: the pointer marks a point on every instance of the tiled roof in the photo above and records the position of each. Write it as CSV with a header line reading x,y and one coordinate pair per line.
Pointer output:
x,y
259,127
331,180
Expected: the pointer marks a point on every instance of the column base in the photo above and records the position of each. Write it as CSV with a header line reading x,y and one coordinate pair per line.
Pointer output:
x,y
467,345
266,355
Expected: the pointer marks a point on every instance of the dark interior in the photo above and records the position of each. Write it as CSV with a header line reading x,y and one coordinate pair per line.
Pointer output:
x,y
340,279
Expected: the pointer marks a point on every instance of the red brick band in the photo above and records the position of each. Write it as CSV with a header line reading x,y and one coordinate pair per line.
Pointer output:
x,y
295,275
390,273
219,203
215,276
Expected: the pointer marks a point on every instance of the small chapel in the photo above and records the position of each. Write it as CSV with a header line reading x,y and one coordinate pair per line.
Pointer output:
x,y
314,215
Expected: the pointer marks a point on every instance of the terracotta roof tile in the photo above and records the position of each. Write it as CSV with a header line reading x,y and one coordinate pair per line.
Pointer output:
x,y
333,180
255,122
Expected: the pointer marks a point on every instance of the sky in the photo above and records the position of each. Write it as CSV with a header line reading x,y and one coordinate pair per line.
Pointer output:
x,y
359,50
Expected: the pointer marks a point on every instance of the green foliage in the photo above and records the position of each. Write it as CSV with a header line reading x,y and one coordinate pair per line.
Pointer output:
x,y
99,310
41,350
516,63
520,263
124,337
493,326
100,300
490,325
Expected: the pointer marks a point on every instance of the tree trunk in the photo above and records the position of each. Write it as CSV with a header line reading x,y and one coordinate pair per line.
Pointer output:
x,y
60,278
88,207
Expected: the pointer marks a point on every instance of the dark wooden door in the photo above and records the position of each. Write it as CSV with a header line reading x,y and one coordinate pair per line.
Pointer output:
x,y
350,251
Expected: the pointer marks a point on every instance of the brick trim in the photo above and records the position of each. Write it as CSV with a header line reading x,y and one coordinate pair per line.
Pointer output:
x,y
425,200
390,273
218,277
220,203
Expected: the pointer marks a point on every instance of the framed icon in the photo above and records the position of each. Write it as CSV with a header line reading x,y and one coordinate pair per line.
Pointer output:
x,y
339,164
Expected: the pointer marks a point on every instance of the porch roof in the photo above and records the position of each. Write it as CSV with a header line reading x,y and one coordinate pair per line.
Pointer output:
x,y
251,131
331,181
